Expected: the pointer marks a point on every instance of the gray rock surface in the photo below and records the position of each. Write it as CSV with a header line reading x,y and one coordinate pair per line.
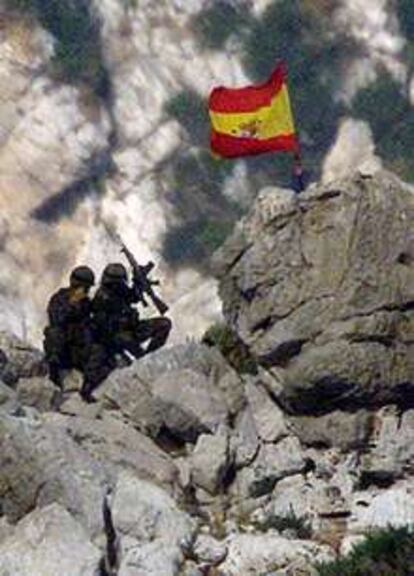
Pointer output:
x,y
210,550
190,404
382,508
47,542
153,529
336,429
38,392
268,417
185,391
115,446
273,462
245,439
211,460
40,464
321,286
392,454
18,360
269,553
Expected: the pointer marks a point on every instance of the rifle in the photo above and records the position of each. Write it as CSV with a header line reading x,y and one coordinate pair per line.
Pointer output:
x,y
141,280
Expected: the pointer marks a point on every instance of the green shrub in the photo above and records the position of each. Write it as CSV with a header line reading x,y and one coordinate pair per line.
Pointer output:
x,y
78,51
206,216
300,526
387,552
194,242
392,125
405,14
216,24
190,110
232,347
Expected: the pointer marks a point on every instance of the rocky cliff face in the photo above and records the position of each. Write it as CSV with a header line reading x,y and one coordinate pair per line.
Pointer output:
x,y
86,140
223,472
321,288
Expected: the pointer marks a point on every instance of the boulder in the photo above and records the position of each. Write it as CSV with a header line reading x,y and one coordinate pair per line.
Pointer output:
x,y
273,462
208,549
153,530
392,453
115,445
190,404
321,287
19,360
382,508
337,429
47,542
184,390
245,438
268,417
8,398
41,464
127,391
40,393
211,460
270,554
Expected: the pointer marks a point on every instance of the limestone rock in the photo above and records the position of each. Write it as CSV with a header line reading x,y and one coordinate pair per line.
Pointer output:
x,y
40,464
190,404
191,569
336,429
39,393
115,445
8,399
48,541
19,360
320,286
392,454
211,460
268,553
245,440
153,530
209,550
126,390
273,462
382,508
184,390
268,417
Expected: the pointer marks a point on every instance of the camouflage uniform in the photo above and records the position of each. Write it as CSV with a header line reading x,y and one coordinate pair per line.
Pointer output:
x,y
117,321
69,339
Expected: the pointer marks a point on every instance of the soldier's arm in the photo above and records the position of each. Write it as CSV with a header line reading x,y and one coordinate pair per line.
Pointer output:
x,y
133,295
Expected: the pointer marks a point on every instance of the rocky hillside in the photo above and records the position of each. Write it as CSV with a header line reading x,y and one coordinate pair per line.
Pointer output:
x,y
103,124
220,471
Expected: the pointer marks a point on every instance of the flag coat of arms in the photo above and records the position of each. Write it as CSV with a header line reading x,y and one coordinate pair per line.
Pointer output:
x,y
254,119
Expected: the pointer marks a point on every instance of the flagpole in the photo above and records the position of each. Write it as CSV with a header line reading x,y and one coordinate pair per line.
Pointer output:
x,y
297,173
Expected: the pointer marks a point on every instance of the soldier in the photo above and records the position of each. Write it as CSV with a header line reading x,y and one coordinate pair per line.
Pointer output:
x,y
117,321
69,339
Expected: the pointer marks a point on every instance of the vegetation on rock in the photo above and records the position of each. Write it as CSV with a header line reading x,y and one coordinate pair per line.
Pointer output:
x,y
387,552
78,51
232,347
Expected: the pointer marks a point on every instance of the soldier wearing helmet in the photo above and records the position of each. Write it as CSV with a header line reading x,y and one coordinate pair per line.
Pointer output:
x,y
117,321
68,338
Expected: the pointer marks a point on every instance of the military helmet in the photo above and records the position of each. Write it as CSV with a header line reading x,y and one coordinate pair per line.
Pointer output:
x,y
115,272
82,276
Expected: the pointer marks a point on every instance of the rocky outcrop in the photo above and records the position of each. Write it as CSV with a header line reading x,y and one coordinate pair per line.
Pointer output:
x,y
19,360
48,541
213,471
321,289
254,487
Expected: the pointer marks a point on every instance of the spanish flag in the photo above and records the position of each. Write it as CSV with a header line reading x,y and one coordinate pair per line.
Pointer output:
x,y
254,119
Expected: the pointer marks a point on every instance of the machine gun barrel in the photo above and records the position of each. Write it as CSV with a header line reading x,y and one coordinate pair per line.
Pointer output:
x,y
141,280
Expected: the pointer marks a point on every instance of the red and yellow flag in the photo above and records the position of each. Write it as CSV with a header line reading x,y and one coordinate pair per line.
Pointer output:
x,y
253,119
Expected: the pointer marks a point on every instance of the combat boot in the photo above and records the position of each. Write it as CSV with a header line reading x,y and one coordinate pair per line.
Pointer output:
x,y
86,392
55,375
